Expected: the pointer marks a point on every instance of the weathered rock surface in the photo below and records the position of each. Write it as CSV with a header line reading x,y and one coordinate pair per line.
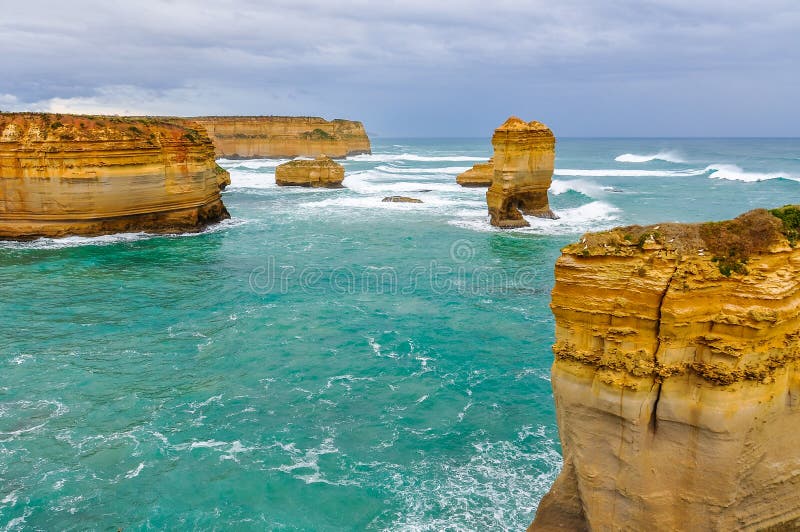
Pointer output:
x,y
677,378
320,172
252,137
90,175
480,175
401,199
524,158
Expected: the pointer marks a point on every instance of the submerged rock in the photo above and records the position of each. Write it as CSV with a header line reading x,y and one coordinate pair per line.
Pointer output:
x,y
253,137
401,199
319,172
524,158
677,377
66,175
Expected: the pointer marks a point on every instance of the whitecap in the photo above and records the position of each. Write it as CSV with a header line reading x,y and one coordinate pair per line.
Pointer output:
x,y
422,171
613,172
594,216
389,157
587,188
666,156
733,172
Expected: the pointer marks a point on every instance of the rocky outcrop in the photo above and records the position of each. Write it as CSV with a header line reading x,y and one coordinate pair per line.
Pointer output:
x,y
479,175
90,175
320,172
255,137
677,379
401,199
524,157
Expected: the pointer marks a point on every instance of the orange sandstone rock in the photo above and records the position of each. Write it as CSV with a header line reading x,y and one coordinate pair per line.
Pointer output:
x,y
251,137
524,158
479,175
677,378
90,175
319,172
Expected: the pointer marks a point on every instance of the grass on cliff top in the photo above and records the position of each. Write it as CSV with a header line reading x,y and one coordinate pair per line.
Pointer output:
x,y
729,243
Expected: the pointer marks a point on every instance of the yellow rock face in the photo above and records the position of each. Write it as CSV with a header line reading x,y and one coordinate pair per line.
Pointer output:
x,y
252,137
89,175
524,158
676,378
320,172
479,175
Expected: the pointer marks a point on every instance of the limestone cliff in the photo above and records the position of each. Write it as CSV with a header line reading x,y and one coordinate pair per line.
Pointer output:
x,y
524,158
479,175
89,175
676,378
252,137
319,172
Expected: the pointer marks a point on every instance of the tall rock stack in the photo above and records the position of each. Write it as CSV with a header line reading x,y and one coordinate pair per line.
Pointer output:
x,y
90,175
524,158
677,377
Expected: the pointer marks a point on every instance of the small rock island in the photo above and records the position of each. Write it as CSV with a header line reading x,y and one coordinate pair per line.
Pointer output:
x,y
320,172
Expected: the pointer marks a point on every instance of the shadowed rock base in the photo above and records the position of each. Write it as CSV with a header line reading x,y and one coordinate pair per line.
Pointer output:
x,y
187,220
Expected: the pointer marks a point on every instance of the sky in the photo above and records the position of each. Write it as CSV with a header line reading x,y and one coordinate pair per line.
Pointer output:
x,y
423,68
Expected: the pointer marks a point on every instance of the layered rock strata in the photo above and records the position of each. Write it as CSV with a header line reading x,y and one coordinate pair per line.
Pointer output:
x,y
677,378
320,172
253,137
400,199
480,175
524,158
90,175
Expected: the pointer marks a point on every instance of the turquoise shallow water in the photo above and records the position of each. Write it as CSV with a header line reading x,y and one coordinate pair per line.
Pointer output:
x,y
324,360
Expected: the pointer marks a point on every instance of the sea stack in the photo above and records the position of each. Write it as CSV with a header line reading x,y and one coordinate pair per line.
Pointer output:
x,y
261,137
480,175
676,377
524,158
66,175
320,172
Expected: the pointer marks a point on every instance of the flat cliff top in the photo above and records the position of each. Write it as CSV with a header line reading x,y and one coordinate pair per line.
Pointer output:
x,y
273,118
40,127
517,124
319,162
754,232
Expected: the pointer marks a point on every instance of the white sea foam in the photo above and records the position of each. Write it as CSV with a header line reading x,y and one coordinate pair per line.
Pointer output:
x,y
666,156
734,173
594,216
116,238
424,171
613,172
250,164
389,157
587,188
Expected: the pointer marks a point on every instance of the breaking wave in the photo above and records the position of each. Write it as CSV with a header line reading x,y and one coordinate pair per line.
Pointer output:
x,y
666,156
732,172
389,157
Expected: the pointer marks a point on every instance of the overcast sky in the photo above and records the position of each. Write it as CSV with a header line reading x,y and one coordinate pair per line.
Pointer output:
x,y
417,67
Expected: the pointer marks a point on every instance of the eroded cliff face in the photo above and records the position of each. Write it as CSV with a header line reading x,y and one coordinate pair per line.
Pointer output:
x,y
90,175
524,158
320,172
251,137
480,175
676,378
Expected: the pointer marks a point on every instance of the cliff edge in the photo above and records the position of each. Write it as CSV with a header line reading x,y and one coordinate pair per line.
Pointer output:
x,y
89,175
676,377
254,137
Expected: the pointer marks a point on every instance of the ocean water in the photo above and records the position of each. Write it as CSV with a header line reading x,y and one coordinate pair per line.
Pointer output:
x,y
324,361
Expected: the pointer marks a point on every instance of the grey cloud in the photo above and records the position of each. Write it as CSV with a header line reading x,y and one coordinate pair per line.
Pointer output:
x,y
389,63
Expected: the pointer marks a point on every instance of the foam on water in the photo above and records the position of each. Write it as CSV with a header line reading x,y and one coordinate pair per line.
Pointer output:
x,y
587,188
613,172
389,157
432,171
733,172
594,216
666,156
116,238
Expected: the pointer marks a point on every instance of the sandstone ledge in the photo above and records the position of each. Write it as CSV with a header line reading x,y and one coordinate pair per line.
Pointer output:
x,y
320,172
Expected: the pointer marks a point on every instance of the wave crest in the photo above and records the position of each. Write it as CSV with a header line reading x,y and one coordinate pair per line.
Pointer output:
x,y
666,156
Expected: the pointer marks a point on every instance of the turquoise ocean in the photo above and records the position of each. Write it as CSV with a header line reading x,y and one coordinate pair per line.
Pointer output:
x,y
324,360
